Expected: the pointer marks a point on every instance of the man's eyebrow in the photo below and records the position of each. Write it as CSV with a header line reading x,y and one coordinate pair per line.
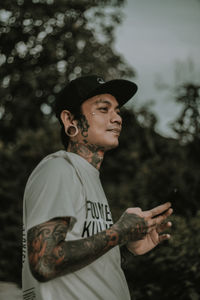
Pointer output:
x,y
105,102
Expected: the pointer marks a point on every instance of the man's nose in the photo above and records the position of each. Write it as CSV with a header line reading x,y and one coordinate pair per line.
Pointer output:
x,y
116,118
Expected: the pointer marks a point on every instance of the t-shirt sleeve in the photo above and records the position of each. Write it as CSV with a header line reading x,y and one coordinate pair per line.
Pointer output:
x,y
52,191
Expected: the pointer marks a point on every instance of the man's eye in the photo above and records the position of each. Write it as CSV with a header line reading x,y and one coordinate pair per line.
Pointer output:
x,y
104,109
119,113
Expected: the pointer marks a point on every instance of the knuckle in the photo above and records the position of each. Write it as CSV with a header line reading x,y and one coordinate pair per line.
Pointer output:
x,y
129,210
133,210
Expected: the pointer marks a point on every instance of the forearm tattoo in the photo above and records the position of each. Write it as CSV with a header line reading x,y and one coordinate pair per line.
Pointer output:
x,y
51,256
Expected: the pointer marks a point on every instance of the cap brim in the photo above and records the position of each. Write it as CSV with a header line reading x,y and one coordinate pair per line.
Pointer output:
x,y
123,90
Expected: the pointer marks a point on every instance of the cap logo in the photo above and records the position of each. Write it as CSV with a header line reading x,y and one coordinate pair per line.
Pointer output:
x,y
100,80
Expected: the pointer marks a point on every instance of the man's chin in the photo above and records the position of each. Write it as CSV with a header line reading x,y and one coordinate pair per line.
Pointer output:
x,y
108,145
112,146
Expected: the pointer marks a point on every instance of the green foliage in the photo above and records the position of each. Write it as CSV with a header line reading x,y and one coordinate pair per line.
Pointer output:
x,y
187,125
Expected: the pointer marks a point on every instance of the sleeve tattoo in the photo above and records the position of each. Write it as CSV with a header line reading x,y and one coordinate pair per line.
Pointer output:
x,y
51,256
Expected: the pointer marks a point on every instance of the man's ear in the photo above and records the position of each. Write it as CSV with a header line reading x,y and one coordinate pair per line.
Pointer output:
x,y
66,118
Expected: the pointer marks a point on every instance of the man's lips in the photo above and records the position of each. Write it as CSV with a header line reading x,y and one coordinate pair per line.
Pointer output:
x,y
115,130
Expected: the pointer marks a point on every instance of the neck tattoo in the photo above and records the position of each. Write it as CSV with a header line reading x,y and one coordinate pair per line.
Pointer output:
x,y
92,153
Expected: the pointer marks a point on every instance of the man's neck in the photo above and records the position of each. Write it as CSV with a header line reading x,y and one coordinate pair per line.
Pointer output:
x,y
92,153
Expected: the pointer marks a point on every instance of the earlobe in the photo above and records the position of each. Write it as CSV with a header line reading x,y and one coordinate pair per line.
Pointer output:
x,y
71,131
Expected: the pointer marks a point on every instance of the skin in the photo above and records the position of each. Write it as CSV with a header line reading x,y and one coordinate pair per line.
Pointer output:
x,y
49,254
99,128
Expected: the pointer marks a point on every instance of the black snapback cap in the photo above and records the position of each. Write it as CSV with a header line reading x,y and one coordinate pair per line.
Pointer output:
x,y
83,88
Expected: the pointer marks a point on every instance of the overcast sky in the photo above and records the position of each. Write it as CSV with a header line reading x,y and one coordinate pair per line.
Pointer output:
x,y
157,38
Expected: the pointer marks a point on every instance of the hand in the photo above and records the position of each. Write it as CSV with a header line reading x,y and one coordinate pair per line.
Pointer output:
x,y
155,234
136,225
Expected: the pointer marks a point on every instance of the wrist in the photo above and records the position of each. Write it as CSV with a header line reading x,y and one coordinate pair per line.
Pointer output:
x,y
120,235
131,249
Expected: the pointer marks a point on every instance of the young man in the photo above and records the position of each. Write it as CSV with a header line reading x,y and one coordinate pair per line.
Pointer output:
x,y
72,244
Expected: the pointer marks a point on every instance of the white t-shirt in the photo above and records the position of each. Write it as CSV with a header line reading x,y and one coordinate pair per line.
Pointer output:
x,y
66,185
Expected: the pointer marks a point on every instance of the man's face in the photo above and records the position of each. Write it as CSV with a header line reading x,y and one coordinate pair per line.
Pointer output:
x,y
101,122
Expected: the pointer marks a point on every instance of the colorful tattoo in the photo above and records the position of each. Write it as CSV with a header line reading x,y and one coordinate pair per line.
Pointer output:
x,y
51,256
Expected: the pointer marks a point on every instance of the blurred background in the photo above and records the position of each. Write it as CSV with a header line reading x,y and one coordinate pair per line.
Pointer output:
x,y
46,43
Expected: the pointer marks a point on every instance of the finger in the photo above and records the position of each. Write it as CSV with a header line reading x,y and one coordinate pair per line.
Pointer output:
x,y
164,216
164,237
159,209
158,220
163,227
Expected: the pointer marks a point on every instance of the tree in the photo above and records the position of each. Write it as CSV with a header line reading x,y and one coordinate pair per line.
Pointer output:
x,y
187,125
187,128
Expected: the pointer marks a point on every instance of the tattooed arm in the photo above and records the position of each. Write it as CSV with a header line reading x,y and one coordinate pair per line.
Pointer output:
x,y
51,256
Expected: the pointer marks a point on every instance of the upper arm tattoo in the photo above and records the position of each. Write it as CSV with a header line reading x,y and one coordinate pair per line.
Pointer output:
x,y
43,240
